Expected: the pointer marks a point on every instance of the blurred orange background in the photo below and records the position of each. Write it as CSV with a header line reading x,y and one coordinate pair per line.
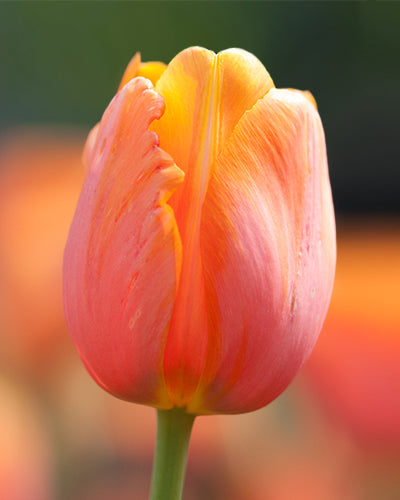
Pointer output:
x,y
334,434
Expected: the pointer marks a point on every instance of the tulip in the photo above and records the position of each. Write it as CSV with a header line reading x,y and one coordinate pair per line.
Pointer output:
x,y
200,261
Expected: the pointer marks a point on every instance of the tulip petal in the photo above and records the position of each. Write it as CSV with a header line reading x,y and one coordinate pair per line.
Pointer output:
x,y
184,87
150,70
122,259
205,96
267,249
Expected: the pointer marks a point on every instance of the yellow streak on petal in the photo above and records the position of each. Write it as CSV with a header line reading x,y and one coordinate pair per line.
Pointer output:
x,y
207,148
189,320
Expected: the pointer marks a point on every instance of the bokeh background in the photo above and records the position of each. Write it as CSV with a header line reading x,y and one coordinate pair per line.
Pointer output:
x,y
336,432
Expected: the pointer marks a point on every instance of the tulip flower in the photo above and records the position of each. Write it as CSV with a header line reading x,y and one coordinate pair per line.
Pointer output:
x,y
200,261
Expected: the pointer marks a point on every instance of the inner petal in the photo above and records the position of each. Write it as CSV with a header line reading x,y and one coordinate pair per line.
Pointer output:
x,y
151,70
205,96
187,339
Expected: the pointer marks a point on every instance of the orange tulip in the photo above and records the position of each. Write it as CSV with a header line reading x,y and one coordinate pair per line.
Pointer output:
x,y
200,261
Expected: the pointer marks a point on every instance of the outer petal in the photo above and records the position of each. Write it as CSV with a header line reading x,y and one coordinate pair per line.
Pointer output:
x,y
205,95
150,70
267,245
123,252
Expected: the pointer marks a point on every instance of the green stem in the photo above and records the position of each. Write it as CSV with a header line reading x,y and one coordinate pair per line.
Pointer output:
x,y
173,435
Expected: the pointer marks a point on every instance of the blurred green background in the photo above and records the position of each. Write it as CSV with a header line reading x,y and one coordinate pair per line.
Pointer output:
x,y
61,62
